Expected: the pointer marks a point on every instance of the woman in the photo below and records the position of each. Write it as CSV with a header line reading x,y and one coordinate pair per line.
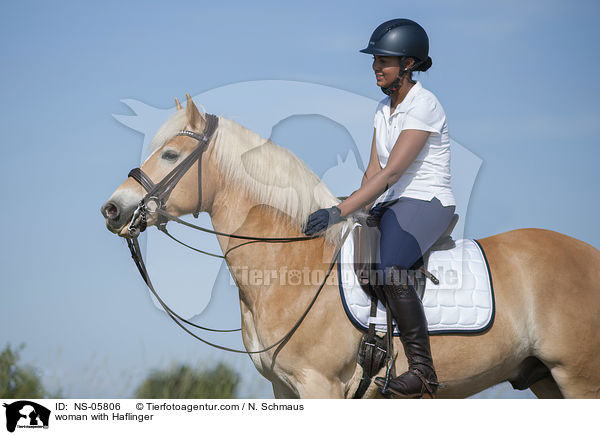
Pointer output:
x,y
408,178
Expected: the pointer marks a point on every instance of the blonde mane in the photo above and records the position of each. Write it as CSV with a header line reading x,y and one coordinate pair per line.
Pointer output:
x,y
270,174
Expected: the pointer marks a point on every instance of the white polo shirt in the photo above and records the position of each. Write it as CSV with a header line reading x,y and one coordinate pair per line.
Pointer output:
x,y
429,174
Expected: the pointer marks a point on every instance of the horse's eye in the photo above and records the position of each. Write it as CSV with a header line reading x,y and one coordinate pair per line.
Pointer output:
x,y
170,155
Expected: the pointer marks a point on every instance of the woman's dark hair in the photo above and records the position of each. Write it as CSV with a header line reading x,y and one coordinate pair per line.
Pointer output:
x,y
418,65
425,65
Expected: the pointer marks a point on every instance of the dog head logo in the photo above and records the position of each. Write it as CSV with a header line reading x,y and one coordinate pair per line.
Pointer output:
x,y
26,414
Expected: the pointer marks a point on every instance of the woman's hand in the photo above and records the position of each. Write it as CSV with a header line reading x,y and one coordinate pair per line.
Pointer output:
x,y
375,215
322,219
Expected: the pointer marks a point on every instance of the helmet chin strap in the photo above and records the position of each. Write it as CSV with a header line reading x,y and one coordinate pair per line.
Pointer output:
x,y
397,84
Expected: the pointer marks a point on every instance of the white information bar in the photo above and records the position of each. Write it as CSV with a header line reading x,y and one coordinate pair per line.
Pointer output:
x,y
308,417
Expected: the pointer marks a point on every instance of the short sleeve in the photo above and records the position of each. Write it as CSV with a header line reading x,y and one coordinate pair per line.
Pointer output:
x,y
425,114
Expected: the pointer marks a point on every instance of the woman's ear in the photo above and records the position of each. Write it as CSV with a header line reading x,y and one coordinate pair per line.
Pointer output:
x,y
408,63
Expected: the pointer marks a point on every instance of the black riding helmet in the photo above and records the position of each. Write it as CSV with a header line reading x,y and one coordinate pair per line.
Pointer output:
x,y
403,38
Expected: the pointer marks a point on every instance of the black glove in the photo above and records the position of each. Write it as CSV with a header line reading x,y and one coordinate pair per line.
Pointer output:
x,y
375,215
322,219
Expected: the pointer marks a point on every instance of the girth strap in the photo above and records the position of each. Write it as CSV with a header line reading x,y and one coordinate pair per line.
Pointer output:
x,y
370,367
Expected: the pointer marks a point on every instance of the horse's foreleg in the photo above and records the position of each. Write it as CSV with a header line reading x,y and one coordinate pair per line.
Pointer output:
x,y
281,391
316,386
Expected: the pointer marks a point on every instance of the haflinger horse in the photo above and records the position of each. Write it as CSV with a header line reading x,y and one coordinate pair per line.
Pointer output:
x,y
546,284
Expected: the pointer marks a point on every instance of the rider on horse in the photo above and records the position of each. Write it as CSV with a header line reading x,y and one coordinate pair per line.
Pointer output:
x,y
408,180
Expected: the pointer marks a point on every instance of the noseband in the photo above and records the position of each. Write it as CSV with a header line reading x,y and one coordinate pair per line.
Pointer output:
x,y
154,202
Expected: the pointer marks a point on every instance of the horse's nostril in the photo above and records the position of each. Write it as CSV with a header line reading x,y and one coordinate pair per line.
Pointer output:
x,y
110,210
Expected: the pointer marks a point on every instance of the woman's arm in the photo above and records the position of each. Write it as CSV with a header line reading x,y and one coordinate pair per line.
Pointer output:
x,y
406,149
373,167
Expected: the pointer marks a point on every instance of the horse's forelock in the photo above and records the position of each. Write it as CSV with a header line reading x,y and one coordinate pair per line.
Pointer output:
x,y
168,130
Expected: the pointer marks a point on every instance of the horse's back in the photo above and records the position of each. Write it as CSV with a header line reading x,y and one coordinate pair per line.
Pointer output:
x,y
544,253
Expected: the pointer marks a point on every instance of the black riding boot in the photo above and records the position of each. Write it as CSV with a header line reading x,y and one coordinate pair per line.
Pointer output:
x,y
407,309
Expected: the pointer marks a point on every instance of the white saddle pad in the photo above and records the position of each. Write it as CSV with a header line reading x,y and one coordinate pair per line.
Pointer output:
x,y
463,302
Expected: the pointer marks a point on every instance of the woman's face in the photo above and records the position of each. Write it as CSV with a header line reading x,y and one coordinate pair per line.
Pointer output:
x,y
386,69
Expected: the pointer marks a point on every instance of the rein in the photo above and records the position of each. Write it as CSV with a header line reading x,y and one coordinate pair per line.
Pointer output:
x,y
154,202
136,254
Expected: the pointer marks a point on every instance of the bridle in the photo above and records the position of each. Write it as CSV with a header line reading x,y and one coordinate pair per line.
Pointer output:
x,y
154,202
158,194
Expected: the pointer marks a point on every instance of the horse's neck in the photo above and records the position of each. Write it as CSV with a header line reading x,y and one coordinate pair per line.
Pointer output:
x,y
234,212
228,213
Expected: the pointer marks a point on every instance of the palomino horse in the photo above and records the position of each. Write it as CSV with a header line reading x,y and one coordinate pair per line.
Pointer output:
x,y
547,285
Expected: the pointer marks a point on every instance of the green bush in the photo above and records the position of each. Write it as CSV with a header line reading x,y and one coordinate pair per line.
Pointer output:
x,y
184,382
18,381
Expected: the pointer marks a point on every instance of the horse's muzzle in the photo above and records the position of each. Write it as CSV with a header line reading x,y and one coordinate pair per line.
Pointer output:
x,y
116,215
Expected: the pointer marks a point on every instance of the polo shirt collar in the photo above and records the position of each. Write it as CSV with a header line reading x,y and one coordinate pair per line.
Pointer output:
x,y
408,99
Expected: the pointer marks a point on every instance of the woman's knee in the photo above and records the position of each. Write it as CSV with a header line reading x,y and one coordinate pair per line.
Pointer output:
x,y
392,274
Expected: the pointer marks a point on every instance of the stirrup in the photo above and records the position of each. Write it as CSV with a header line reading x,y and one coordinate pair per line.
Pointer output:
x,y
427,384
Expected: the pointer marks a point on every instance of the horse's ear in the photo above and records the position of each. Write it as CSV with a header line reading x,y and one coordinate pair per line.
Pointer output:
x,y
192,113
178,105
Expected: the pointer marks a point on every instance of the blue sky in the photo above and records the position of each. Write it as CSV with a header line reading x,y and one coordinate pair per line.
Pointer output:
x,y
517,81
